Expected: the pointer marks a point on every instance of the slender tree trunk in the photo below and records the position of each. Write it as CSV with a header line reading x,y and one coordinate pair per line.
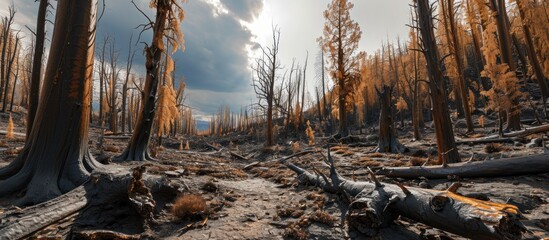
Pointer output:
x,y
462,87
37,63
12,57
15,77
137,149
55,158
534,61
447,150
498,6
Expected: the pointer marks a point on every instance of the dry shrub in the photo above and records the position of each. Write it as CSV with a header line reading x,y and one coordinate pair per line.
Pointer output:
x,y
296,147
416,161
9,131
188,206
494,148
187,147
322,217
294,231
376,155
111,148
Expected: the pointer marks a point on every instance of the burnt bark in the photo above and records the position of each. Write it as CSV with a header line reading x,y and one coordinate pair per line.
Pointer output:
x,y
56,158
37,63
439,103
137,149
388,141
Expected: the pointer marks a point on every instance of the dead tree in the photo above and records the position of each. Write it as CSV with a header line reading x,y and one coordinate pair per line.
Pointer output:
x,y
488,168
112,93
504,37
455,49
534,61
375,205
388,141
102,75
129,62
37,63
12,55
167,11
6,25
264,82
56,158
447,150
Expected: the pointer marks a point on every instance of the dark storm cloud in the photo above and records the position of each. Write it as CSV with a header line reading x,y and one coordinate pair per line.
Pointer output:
x,y
246,10
215,57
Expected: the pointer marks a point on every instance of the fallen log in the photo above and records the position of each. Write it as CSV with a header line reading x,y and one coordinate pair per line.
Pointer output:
x,y
489,168
376,205
230,152
101,189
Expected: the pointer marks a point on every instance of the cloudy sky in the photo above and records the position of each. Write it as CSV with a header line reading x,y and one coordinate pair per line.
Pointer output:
x,y
221,37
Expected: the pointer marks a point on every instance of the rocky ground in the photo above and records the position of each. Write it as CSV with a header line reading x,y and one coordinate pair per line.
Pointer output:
x,y
259,198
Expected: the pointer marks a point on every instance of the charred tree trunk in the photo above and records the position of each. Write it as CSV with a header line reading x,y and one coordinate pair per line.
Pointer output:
x,y
447,150
488,168
137,149
12,57
456,47
37,64
376,205
55,158
498,6
534,61
388,141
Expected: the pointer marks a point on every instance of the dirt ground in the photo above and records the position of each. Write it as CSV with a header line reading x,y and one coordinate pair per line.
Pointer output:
x,y
259,198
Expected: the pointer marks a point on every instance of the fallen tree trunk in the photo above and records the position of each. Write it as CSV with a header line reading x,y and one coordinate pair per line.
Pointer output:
x,y
490,168
376,205
101,189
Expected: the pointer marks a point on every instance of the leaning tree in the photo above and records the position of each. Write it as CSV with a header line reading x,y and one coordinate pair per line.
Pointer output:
x,y
447,150
169,14
56,158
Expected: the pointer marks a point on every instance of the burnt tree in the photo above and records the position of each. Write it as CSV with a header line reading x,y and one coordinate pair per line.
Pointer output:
x,y
447,150
55,158
167,11
388,141
37,63
264,82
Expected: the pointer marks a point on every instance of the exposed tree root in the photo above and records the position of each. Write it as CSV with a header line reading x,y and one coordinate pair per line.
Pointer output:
x,y
490,168
376,205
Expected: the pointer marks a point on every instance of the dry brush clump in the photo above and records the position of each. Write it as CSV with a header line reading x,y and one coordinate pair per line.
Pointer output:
x,y
495,148
188,206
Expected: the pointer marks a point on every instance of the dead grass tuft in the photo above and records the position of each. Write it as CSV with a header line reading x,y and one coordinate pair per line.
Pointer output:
x,y
187,206
322,217
294,231
494,148
376,155
416,161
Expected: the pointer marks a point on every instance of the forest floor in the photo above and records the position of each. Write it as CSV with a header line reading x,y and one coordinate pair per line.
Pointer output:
x,y
259,198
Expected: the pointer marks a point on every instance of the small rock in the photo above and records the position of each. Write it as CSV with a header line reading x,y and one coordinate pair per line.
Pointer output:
x,y
518,144
536,142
